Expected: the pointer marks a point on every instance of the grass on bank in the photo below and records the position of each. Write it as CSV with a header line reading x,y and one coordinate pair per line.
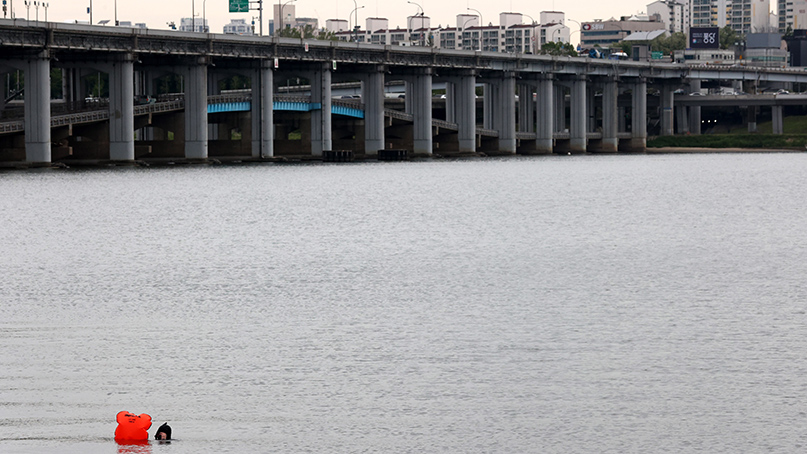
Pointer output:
x,y
794,137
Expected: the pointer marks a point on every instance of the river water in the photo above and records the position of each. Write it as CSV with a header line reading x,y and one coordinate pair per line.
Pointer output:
x,y
559,304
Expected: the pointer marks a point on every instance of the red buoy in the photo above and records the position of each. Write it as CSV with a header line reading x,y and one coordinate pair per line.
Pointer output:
x,y
132,427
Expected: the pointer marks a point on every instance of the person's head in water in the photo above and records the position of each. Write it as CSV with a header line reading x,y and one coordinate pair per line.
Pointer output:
x,y
163,433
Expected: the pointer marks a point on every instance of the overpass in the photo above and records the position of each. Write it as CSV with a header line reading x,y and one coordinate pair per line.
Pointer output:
x,y
561,103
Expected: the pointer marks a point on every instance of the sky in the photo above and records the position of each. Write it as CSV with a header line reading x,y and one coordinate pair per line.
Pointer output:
x,y
157,13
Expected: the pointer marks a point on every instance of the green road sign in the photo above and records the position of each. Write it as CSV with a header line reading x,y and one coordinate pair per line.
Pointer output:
x,y
239,6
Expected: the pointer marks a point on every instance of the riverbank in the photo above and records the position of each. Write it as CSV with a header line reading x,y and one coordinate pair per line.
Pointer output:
x,y
729,142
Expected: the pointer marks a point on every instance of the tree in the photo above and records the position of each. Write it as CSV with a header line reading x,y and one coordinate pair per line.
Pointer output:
x,y
307,32
728,37
557,49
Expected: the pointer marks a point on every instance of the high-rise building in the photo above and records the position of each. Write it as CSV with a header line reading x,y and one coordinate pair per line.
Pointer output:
x,y
675,14
793,14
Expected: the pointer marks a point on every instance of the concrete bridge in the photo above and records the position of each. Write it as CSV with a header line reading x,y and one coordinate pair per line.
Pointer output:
x,y
528,103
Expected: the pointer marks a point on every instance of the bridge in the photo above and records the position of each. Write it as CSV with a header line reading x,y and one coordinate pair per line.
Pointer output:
x,y
496,103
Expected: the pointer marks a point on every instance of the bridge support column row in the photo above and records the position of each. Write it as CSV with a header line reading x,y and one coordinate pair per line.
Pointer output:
x,y
546,113
777,120
503,111
421,109
373,96
263,128
695,111
37,109
465,112
578,140
638,141
121,110
667,114
321,130
196,110
610,116
526,109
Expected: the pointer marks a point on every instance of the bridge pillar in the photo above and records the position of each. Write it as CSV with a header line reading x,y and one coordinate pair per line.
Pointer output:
x,y
121,110
577,129
638,140
752,118
546,113
37,108
451,115
489,94
466,112
695,111
526,109
422,111
560,108
667,110
373,97
504,112
777,120
262,113
321,126
196,110
610,116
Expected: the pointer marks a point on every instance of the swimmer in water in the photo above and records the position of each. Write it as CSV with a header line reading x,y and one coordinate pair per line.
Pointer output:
x,y
163,433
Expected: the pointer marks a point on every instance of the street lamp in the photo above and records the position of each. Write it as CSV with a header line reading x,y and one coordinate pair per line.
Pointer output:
x,y
280,14
89,11
355,27
422,23
481,27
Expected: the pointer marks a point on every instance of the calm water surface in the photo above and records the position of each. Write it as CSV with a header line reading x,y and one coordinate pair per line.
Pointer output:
x,y
584,304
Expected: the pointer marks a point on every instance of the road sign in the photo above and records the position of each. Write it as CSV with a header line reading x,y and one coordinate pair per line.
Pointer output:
x,y
239,6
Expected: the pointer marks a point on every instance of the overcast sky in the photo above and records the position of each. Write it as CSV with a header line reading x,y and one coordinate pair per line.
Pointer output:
x,y
156,13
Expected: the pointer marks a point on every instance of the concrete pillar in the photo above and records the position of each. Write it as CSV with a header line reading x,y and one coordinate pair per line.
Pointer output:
x,y
196,110
526,109
121,110
638,141
560,108
263,128
373,97
591,109
321,130
683,120
695,111
545,115
577,127
777,120
504,113
488,101
451,115
37,108
466,112
422,111
752,119
610,116
667,110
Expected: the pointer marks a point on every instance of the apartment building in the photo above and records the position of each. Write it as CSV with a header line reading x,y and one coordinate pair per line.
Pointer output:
x,y
468,33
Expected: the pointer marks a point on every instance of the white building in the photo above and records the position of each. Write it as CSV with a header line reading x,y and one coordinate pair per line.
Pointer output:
x,y
336,25
793,14
238,27
511,35
673,13
197,24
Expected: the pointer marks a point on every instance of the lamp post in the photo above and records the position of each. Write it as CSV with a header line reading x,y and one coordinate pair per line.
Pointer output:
x,y
481,26
356,27
89,10
422,22
116,13
204,16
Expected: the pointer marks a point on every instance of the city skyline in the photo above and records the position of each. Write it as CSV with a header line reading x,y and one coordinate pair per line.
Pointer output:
x,y
157,14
